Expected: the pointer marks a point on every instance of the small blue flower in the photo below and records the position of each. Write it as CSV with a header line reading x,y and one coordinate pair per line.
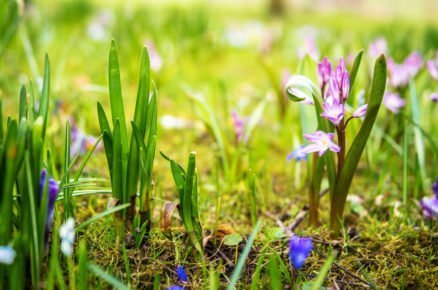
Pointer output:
x,y
175,287
297,154
299,250
182,274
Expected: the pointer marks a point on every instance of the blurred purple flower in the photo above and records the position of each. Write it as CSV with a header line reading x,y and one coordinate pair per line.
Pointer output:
x,y
434,97
297,154
154,57
435,188
360,112
321,142
429,204
299,250
239,125
308,47
285,76
182,274
81,142
324,72
432,66
414,62
400,74
393,102
52,191
378,47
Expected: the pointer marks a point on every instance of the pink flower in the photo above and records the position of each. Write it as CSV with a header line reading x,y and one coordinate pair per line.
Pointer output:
x,y
432,66
378,47
239,125
321,142
154,57
400,74
434,97
393,102
333,110
324,72
360,112
342,79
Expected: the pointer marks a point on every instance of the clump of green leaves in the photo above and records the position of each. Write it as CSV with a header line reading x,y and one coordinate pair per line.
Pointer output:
x,y
130,158
187,183
23,207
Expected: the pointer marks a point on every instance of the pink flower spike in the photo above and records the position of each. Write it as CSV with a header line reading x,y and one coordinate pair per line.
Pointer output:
x,y
432,66
360,112
324,71
239,125
413,63
378,47
321,142
393,102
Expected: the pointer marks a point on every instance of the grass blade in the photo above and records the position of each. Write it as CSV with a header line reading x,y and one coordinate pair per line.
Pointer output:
x,y
101,215
243,257
107,277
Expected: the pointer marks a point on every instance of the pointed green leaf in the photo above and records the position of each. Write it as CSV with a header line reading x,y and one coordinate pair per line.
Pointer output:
x,y
352,160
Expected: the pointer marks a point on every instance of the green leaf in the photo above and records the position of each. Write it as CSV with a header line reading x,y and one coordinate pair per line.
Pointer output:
x,y
117,108
86,158
419,144
107,277
23,103
241,262
355,68
317,284
140,120
117,179
232,239
274,274
352,160
82,266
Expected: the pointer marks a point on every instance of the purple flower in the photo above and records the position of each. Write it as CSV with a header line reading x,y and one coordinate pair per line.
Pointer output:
x,y
342,79
324,72
435,188
182,274
393,102
434,97
360,112
239,125
432,66
378,47
400,74
81,142
413,63
321,142
175,287
52,190
299,250
297,154
429,204
154,57
333,110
